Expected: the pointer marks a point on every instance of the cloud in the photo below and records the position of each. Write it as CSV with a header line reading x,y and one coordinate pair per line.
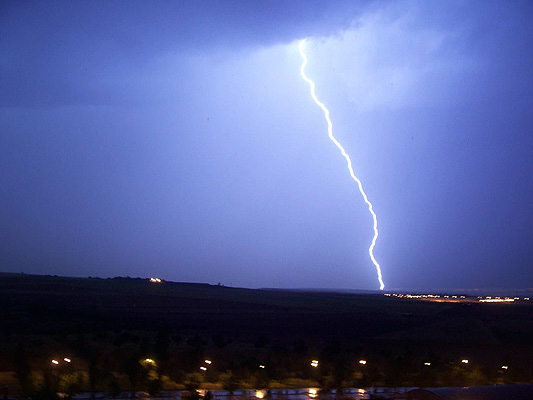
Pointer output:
x,y
58,53
388,59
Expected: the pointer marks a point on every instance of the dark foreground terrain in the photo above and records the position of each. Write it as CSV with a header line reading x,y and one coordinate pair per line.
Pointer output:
x,y
131,334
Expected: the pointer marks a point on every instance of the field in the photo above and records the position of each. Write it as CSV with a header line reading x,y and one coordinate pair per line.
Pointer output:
x,y
109,328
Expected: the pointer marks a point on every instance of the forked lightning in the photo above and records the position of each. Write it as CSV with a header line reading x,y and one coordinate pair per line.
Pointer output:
x,y
330,133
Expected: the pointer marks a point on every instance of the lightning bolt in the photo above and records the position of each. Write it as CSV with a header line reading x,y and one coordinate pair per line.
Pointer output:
x,y
347,157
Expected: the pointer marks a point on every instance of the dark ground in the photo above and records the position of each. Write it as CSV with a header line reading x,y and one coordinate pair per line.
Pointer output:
x,y
106,322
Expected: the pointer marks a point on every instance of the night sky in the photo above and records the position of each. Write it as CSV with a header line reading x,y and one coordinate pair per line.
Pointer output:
x,y
177,139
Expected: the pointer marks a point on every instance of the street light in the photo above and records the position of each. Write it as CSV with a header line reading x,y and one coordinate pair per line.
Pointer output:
x,y
314,363
464,361
362,362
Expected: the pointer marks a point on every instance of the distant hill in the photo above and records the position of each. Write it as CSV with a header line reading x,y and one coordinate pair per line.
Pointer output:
x,y
189,305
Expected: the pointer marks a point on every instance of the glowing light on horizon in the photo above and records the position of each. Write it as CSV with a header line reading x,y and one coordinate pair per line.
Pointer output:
x,y
348,160
496,300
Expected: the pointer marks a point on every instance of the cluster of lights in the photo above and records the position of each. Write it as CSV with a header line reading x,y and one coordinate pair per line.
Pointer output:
x,y
466,361
66,359
463,361
422,296
155,280
452,298
490,299
313,393
362,362
314,363
208,362
413,296
262,366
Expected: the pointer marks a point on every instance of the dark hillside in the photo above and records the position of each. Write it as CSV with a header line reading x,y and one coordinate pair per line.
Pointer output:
x,y
113,324
121,302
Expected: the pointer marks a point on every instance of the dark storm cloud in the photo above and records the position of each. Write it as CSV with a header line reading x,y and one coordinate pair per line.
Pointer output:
x,y
56,53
